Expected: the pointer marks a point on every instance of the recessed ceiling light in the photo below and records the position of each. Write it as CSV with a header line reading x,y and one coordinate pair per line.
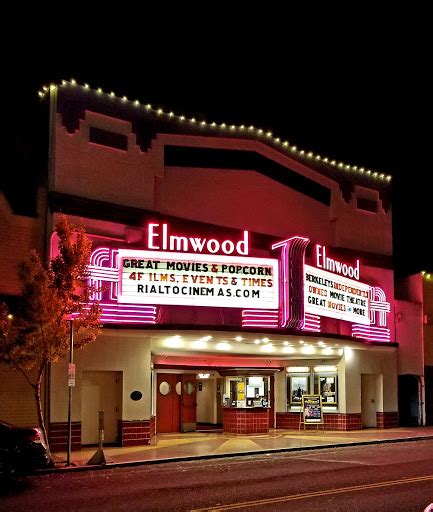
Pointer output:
x,y
174,342
289,350
199,344
267,348
223,346
308,349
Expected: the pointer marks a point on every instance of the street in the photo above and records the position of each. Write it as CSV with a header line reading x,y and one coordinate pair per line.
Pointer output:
x,y
382,477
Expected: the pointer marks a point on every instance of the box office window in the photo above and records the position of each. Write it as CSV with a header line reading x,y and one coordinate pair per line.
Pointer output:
x,y
251,391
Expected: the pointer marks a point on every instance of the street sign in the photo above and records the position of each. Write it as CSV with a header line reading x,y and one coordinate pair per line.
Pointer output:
x,y
71,374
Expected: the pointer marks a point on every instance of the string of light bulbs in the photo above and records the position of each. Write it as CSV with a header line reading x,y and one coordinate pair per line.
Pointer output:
x,y
258,132
427,275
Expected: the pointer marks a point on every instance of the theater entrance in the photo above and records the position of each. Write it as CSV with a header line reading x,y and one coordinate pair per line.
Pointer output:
x,y
176,402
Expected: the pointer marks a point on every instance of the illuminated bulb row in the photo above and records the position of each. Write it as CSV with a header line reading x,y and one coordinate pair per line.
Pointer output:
x,y
177,342
426,275
252,129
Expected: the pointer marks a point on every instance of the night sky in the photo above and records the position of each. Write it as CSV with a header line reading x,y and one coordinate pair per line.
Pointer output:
x,y
361,95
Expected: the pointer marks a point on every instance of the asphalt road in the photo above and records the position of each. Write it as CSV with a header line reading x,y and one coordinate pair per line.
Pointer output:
x,y
383,477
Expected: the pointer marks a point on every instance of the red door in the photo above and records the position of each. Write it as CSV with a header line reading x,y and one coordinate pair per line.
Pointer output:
x,y
188,410
168,402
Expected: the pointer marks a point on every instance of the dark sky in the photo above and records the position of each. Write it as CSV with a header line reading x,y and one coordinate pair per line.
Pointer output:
x,y
354,88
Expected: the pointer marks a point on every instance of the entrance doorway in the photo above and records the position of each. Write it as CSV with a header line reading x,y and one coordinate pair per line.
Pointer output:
x,y
369,400
408,400
100,391
176,402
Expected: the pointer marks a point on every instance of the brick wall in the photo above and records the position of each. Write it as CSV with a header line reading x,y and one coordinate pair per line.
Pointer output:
x,y
23,234
59,436
246,421
17,399
136,432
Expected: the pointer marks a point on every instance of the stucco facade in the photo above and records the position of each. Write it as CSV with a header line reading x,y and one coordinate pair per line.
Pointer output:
x,y
134,175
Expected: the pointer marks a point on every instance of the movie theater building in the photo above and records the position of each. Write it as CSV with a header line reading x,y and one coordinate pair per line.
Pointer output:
x,y
236,274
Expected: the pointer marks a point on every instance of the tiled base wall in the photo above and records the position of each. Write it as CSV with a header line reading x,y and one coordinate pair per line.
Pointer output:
x,y
136,432
387,419
59,436
333,421
246,421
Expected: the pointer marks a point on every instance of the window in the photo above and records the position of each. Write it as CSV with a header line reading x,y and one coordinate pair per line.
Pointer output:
x,y
246,392
369,205
326,386
317,380
109,139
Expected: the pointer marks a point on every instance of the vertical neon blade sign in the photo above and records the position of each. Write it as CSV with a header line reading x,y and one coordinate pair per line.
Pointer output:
x,y
292,258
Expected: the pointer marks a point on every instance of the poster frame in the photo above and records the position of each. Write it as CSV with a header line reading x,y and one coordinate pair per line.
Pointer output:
x,y
306,378
306,419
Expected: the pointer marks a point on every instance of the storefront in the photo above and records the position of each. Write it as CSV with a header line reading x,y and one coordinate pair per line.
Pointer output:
x,y
236,276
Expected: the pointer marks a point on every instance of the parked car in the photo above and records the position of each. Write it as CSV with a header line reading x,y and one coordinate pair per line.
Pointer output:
x,y
22,448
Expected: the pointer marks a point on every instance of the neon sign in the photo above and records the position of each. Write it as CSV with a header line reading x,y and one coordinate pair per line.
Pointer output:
x,y
281,292
326,263
292,257
158,238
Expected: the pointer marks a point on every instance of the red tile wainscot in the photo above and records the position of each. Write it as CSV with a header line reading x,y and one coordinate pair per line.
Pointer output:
x,y
58,436
136,432
333,421
246,421
387,419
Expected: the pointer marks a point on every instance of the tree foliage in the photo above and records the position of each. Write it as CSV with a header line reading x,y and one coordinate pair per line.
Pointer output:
x,y
52,295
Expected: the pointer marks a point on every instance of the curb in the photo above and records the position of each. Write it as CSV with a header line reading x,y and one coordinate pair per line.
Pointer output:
x,y
111,465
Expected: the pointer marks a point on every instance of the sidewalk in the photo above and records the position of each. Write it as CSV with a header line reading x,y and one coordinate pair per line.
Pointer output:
x,y
200,445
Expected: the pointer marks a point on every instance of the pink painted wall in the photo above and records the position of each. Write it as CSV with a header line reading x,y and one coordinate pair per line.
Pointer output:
x,y
428,321
409,336
242,200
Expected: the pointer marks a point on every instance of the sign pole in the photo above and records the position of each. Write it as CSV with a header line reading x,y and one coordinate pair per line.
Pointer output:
x,y
71,383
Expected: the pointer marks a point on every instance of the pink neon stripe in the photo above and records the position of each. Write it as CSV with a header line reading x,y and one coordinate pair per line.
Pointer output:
x,y
370,330
119,321
261,325
268,322
372,338
128,308
260,312
260,316
142,317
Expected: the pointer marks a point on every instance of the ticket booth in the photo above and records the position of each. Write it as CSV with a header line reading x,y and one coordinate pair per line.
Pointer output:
x,y
246,404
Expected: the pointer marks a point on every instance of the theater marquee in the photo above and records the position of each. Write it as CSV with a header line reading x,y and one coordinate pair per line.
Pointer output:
x,y
153,277
335,296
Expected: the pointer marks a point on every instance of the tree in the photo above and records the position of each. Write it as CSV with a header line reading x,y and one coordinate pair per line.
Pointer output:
x,y
52,296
